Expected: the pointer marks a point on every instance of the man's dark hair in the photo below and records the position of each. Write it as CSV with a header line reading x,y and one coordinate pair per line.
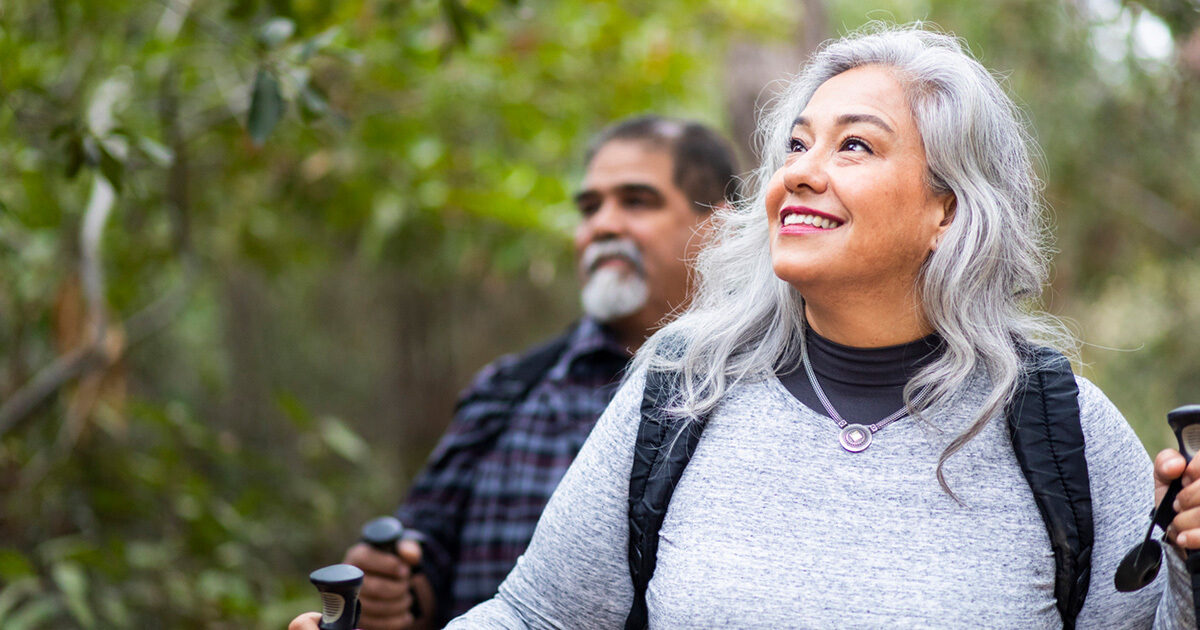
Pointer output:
x,y
704,162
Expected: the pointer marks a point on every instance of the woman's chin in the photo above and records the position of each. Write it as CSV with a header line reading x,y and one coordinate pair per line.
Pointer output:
x,y
798,273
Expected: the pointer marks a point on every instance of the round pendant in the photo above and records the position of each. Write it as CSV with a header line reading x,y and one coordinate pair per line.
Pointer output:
x,y
855,437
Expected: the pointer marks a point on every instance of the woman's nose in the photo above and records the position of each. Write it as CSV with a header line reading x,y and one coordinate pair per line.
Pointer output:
x,y
805,170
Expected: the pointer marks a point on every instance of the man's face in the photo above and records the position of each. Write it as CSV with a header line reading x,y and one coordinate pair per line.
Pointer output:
x,y
637,232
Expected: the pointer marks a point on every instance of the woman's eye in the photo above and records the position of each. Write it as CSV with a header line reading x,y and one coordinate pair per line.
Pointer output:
x,y
856,144
796,146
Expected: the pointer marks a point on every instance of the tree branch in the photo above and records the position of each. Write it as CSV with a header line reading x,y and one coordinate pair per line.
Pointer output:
x,y
69,366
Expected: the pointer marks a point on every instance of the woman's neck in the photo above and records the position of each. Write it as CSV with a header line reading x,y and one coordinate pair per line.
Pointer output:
x,y
862,325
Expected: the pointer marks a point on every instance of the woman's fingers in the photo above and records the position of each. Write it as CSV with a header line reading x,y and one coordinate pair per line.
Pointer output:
x,y
307,621
1169,465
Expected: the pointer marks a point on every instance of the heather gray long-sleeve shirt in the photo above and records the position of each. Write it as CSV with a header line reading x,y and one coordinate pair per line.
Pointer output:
x,y
773,525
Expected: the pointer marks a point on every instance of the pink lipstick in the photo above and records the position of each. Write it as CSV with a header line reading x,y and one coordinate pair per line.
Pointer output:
x,y
804,220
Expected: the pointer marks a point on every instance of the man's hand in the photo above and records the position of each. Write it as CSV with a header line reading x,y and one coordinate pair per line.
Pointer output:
x,y
388,585
1184,532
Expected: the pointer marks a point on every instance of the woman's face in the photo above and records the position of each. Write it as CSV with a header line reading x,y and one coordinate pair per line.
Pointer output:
x,y
850,210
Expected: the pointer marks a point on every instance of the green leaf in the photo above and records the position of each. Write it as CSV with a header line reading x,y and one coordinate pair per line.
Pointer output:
x,y
15,591
342,440
72,581
312,103
294,409
91,150
33,615
318,43
155,151
111,167
12,563
275,31
461,19
75,156
266,106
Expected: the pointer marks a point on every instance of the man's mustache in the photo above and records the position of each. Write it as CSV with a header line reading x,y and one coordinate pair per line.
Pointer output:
x,y
599,251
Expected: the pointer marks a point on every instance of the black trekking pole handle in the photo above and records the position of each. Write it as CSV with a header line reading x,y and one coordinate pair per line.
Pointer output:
x,y
1185,422
1141,564
383,533
338,584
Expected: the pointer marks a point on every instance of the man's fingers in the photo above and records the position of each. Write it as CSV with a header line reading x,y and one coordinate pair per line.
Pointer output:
x,y
371,560
381,588
372,622
387,606
410,552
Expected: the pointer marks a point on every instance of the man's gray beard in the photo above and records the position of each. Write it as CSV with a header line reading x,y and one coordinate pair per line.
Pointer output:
x,y
612,293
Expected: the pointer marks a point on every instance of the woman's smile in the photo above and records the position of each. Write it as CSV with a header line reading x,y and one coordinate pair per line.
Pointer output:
x,y
802,220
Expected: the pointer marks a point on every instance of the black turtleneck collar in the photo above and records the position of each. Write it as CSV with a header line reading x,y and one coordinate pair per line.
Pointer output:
x,y
864,384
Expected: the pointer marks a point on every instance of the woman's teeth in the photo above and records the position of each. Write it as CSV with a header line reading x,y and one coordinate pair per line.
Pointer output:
x,y
810,219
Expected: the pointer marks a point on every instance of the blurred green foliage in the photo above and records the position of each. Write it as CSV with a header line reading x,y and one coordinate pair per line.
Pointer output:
x,y
327,215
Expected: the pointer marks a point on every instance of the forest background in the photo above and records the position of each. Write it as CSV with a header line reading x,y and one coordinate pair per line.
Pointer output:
x,y
251,249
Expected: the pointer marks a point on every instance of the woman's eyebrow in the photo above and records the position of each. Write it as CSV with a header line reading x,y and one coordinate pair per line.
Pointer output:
x,y
849,119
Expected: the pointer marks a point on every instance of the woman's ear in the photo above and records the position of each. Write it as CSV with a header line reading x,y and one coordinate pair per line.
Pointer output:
x,y
949,205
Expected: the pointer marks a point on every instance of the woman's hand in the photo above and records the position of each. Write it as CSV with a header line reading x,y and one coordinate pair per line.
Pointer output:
x,y
1184,532
307,621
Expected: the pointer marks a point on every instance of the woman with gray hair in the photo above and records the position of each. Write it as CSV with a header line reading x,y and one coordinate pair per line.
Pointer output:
x,y
882,272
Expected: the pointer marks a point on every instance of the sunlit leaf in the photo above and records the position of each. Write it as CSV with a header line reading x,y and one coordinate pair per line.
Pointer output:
x,y
73,583
266,106
342,440
275,31
317,43
14,591
155,151
91,150
35,614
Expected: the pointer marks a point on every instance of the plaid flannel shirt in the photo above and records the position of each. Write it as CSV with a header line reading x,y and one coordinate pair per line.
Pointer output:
x,y
513,436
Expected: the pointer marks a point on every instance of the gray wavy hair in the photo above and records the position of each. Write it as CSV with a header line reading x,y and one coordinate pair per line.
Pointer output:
x,y
977,288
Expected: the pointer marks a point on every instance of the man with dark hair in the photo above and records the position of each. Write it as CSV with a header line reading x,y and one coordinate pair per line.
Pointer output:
x,y
651,184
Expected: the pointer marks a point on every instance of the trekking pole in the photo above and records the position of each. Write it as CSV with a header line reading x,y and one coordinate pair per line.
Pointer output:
x,y
383,533
338,584
1140,566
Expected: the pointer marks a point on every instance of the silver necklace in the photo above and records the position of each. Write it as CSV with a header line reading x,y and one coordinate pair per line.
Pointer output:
x,y
854,437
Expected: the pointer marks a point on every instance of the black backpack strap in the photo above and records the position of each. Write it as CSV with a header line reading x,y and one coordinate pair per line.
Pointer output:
x,y
660,454
1043,421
